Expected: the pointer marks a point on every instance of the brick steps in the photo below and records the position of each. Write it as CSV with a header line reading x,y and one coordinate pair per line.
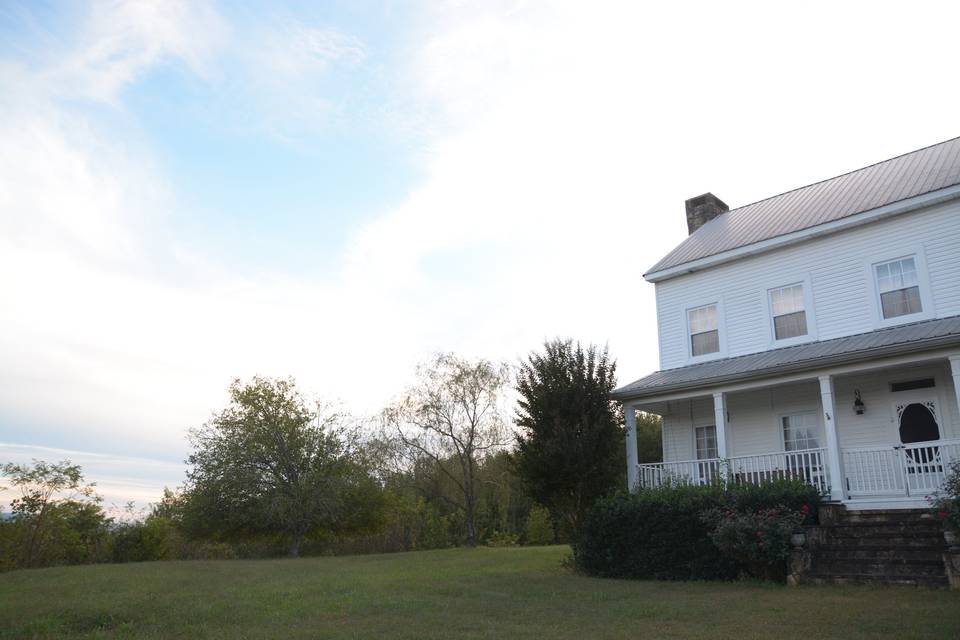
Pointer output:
x,y
879,547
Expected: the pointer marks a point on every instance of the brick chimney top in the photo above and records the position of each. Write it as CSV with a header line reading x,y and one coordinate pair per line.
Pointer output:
x,y
703,209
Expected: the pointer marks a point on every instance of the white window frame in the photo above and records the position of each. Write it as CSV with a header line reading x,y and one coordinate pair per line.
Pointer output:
x,y
721,331
797,412
923,283
808,309
715,437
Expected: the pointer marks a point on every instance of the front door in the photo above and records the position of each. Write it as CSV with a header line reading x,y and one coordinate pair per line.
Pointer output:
x,y
918,426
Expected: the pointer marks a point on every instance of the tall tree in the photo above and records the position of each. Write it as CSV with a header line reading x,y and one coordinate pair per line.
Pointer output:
x,y
571,440
268,464
452,417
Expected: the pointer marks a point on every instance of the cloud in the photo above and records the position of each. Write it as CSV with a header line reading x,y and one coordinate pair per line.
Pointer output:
x,y
557,145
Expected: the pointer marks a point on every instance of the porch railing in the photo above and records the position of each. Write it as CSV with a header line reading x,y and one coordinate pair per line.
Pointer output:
x,y
917,469
808,465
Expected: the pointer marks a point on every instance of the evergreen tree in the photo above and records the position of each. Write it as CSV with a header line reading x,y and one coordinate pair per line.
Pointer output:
x,y
571,444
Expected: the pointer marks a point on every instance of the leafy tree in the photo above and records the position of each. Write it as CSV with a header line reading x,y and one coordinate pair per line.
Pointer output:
x,y
57,518
268,465
449,420
539,529
649,438
571,440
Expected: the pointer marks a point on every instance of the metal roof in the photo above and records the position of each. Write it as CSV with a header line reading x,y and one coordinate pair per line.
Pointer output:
x,y
909,338
913,174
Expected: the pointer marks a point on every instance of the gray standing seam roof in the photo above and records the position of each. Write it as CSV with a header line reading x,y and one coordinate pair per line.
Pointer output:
x,y
912,174
909,338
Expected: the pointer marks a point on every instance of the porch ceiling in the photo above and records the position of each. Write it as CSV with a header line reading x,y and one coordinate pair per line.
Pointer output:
x,y
893,341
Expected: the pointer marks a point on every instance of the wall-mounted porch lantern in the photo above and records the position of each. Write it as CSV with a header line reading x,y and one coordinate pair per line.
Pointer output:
x,y
858,405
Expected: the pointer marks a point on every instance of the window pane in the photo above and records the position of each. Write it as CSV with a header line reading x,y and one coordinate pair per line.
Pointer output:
x,y
800,432
787,299
704,343
706,442
901,302
898,274
703,319
790,325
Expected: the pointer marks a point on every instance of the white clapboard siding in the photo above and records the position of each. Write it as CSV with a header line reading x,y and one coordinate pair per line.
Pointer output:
x,y
837,268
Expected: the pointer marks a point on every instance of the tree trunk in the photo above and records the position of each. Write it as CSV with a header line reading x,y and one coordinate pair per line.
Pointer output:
x,y
295,544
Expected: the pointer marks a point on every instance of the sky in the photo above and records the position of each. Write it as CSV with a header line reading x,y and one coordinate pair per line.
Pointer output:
x,y
192,192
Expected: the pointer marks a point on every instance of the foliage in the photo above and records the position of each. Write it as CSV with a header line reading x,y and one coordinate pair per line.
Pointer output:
x,y
448,421
649,438
793,495
656,533
946,504
571,443
662,533
503,539
539,528
268,466
56,519
758,540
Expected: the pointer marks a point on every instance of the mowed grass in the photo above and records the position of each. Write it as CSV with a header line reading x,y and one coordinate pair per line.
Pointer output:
x,y
457,593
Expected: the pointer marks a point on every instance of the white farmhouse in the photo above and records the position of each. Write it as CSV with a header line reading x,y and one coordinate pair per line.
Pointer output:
x,y
814,335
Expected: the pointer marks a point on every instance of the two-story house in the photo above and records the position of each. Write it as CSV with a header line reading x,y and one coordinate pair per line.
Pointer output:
x,y
814,335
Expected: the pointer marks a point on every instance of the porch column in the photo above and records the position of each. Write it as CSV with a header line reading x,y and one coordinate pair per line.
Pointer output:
x,y
955,370
720,417
833,443
630,418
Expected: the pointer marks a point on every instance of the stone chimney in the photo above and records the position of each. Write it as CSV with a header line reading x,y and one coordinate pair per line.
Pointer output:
x,y
703,209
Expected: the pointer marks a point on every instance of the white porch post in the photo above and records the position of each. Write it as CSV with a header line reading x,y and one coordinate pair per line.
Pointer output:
x,y
833,443
955,370
720,417
630,418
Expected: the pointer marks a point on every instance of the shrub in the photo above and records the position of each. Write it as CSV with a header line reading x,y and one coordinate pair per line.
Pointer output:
x,y
792,495
759,541
503,539
655,533
946,504
662,533
539,529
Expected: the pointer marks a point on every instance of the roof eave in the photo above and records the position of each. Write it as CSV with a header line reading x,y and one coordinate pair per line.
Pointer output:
x,y
917,346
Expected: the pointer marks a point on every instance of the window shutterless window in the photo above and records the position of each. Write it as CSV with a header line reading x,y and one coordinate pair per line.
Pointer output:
x,y
704,334
706,442
899,287
799,432
789,312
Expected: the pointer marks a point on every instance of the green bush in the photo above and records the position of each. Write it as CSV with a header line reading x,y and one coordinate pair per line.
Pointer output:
x,y
503,539
662,533
656,533
539,529
946,503
759,540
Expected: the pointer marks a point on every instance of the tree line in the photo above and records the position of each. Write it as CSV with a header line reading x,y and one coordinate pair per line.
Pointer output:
x,y
451,462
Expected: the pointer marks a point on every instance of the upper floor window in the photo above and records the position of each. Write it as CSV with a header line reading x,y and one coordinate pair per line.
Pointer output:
x,y
899,287
704,332
789,312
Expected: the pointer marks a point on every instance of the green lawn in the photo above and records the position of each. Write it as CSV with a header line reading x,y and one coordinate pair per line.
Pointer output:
x,y
458,593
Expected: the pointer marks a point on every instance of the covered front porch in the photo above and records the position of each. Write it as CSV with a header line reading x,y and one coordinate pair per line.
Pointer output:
x,y
878,433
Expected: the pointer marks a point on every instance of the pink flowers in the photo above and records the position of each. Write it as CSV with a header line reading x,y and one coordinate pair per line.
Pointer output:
x,y
943,515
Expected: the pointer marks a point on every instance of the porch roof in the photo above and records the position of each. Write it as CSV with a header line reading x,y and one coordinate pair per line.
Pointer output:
x,y
892,341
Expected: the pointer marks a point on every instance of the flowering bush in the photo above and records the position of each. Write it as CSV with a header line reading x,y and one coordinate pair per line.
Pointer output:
x,y
946,504
758,540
